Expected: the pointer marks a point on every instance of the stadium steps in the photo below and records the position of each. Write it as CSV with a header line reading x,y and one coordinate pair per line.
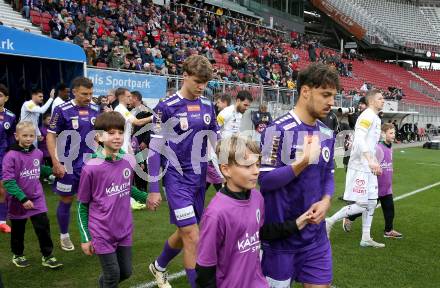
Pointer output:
x,y
12,18
424,80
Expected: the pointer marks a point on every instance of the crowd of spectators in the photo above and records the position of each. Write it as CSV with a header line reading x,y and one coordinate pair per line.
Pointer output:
x,y
142,36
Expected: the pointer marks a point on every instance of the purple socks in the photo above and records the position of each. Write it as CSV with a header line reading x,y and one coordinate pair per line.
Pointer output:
x,y
191,275
63,216
167,255
3,211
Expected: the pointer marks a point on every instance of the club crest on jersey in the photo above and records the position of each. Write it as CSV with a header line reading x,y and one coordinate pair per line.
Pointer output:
x,y
75,123
36,162
184,123
7,125
258,215
326,154
126,173
207,119
92,120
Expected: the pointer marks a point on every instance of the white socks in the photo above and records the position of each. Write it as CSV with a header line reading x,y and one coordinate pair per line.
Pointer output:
x,y
367,219
345,212
64,236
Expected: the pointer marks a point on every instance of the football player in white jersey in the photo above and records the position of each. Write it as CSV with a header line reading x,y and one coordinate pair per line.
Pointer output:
x,y
363,168
229,119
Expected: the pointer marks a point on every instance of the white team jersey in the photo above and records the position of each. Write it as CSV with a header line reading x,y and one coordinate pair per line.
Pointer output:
x,y
128,127
229,120
58,101
31,112
366,137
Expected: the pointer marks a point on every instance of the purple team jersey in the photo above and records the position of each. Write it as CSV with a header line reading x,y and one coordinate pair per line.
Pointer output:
x,y
229,240
7,129
24,168
282,143
105,186
180,122
71,117
385,181
193,116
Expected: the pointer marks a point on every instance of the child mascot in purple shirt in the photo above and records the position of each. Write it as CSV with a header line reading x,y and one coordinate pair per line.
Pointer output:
x,y
232,225
21,175
104,214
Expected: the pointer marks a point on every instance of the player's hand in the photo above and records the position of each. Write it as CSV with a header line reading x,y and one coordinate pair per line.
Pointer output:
x,y
28,205
153,201
319,210
302,220
375,168
52,93
58,170
312,149
88,248
108,109
142,146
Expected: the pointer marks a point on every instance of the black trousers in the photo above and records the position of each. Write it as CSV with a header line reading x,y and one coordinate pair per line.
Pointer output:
x,y
116,267
40,222
387,204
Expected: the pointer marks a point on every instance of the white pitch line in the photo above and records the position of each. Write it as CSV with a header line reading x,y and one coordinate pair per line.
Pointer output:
x,y
182,273
153,283
429,164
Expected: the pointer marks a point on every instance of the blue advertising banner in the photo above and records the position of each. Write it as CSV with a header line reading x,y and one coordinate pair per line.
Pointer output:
x,y
151,87
20,43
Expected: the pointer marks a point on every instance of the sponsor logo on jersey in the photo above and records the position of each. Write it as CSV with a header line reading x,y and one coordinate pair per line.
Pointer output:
x,y
207,118
184,123
360,186
118,189
30,173
83,112
249,243
184,213
75,123
63,187
53,122
193,108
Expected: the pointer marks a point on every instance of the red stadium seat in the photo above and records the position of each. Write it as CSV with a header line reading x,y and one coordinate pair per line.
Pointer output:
x,y
101,65
36,20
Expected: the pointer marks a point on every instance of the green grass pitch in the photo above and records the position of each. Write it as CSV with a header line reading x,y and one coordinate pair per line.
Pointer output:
x,y
410,262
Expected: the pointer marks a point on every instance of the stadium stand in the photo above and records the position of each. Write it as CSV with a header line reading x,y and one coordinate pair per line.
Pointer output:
x,y
157,39
432,76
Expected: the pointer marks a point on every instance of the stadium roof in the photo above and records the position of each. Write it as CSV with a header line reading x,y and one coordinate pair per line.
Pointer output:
x,y
20,43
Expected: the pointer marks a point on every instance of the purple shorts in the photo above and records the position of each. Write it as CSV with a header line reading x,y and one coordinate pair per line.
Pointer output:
x,y
186,204
68,185
313,266
212,175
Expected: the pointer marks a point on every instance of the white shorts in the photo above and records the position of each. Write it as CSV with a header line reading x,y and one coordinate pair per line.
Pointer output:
x,y
360,186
